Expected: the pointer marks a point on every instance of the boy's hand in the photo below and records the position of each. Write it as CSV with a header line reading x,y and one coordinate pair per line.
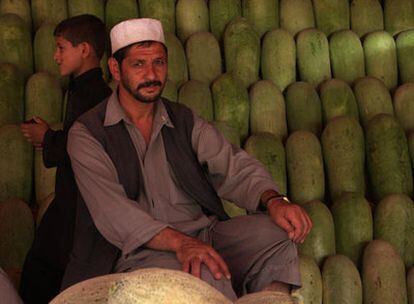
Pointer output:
x,y
35,132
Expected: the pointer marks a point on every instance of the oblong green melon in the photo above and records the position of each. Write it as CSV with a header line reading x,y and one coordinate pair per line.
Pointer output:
x,y
221,13
383,264
381,58
93,7
203,57
170,91
405,52
303,108
388,159
267,109
11,95
341,281
305,167
278,59
353,225
18,7
313,61
394,222
404,106
344,155
242,51
191,17
337,99
366,16
310,275
320,242
331,15
16,164
16,233
44,50
16,43
296,15
43,98
231,103
177,63
262,14
398,16
120,10
372,98
163,10
347,56
197,96
229,132
48,11
269,150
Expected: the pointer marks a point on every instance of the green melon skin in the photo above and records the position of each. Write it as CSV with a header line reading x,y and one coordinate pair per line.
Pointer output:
x,y
410,286
16,233
203,57
48,11
191,17
43,98
394,222
120,10
163,10
230,133
221,13
267,109
11,95
404,106
353,225
383,274
18,7
16,164
372,98
232,209
177,63
231,103
331,15
366,16
303,108
93,7
262,14
305,167
311,290
44,50
388,158
347,56
337,99
344,155
313,61
170,91
381,58
16,43
398,16
296,15
278,59
269,150
405,52
242,51
341,281
320,242
197,96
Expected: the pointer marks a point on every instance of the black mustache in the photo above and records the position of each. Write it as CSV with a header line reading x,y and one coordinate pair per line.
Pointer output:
x,y
149,84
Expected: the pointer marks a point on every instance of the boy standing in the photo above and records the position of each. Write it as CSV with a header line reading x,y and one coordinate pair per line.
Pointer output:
x,y
80,44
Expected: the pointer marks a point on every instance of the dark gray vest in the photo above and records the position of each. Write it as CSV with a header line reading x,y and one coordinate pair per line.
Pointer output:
x,y
92,255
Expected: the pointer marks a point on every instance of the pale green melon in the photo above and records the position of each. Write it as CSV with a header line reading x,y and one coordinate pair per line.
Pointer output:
x,y
262,14
197,96
296,15
11,95
366,16
163,10
48,11
120,10
18,7
177,63
93,7
191,17
311,290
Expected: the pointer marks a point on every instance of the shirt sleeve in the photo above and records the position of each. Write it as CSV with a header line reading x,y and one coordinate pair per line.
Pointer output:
x,y
122,221
236,176
54,148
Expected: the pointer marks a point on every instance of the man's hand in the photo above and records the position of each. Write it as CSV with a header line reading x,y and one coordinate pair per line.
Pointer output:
x,y
35,132
290,217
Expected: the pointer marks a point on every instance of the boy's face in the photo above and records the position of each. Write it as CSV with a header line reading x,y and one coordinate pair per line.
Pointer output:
x,y
68,57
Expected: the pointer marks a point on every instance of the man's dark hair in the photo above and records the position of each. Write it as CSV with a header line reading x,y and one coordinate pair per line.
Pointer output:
x,y
84,28
120,54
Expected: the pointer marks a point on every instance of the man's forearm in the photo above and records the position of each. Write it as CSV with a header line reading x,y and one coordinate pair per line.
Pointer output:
x,y
168,239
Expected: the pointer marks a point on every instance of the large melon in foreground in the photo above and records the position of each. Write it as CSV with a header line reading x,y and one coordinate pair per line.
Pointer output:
x,y
144,286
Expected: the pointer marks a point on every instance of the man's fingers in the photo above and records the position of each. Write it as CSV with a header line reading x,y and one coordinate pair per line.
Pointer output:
x,y
214,267
196,266
224,269
287,226
186,266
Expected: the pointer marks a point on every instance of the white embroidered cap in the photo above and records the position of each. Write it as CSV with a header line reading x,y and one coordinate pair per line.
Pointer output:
x,y
136,30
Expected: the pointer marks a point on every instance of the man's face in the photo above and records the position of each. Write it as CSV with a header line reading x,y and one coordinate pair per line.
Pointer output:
x,y
144,71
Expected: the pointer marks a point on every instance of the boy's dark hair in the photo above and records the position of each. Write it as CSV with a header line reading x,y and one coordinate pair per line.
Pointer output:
x,y
120,54
84,28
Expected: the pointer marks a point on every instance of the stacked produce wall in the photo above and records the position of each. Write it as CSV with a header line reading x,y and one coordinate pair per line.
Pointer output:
x,y
322,92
